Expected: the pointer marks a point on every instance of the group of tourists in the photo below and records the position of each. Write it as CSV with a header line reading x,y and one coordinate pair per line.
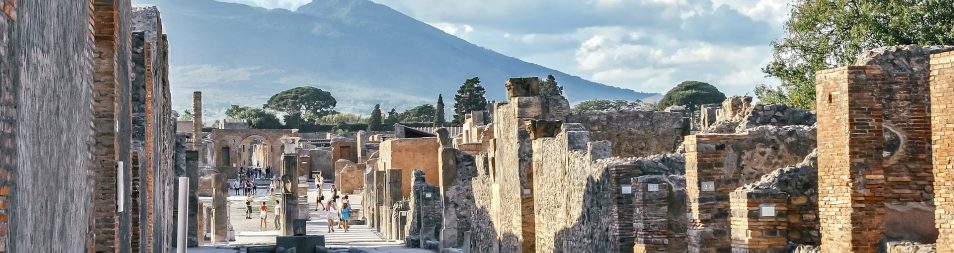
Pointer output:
x,y
337,212
263,213
247,187
256,172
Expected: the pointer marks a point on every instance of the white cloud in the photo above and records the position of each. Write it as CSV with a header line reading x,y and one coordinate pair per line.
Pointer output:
x,y
646,45
271,4
458,30
213,74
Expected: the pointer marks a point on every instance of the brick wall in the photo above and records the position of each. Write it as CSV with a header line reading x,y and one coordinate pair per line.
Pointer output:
x,y
659,217
759,220
942,117
717,164
850,174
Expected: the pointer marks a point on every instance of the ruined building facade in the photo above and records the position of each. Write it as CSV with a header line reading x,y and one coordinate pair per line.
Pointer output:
x,y
86,150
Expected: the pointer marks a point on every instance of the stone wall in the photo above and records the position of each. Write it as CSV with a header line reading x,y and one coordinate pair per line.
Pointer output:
x,y
793,189
659,218
634,133
111,122
46,91
425,215
736,114
469,206
717,164
942,116
408,155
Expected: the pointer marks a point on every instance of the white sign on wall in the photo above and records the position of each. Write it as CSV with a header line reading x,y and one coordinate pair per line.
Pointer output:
x,y
427,195
404,213
626,188
767,210
708,186
652,187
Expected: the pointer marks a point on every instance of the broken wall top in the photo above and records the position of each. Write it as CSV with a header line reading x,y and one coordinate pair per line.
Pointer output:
x,y
146,18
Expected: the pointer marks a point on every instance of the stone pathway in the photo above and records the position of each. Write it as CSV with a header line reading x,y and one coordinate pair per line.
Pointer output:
x,y
360,238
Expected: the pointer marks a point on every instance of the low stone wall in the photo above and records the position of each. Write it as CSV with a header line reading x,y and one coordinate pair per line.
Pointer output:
x,y
737,114
633,133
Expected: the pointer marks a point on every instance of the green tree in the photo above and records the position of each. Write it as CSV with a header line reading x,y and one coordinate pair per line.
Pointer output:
x,y
392,118
549,88
341,117
822,34
604,104
470,97
421,113
692,93
439,112
303,100
294,121
256,118
186,115
375,123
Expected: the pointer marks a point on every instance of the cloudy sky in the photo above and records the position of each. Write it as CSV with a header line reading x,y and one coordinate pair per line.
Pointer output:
x,y
645,45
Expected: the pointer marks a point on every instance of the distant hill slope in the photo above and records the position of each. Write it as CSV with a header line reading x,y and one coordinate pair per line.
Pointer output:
x,y
363,52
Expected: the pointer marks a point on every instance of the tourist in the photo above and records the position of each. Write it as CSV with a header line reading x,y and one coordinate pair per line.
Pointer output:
x,y
248,207
345,215
341,207
268,173
235,187
254,189
331,214
271,187
264,216
319,200
318,181
334,192
248,188
278,213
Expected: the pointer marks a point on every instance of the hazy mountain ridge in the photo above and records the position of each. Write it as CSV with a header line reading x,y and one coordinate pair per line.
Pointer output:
x,y
363,52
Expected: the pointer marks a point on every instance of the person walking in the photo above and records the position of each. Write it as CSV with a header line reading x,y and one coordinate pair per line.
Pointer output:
x,y
278,213
331,214
264,216
248,207
319,201
254,189
318,181
345,215
341,207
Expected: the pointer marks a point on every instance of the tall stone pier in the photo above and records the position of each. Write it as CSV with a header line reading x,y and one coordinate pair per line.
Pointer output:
x,y
289,186
220,208
851,178
196,120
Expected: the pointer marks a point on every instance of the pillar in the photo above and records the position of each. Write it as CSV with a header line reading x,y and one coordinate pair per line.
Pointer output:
x,y
942,118
220,208
196,120
850,174
289,187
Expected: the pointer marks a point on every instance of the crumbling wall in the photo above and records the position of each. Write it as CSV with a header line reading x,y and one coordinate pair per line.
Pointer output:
x,y
425,214
46,91
634,133
351,178
717,164
576,198
513,178
737,114
777,211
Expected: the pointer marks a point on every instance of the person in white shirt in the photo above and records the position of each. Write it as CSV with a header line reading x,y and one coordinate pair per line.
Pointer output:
x,y
332,213
278,213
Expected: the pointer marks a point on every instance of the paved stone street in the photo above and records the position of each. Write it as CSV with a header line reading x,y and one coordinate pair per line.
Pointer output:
x,y
247,231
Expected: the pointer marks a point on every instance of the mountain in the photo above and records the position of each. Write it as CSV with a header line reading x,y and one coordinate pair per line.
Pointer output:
x,y
362,52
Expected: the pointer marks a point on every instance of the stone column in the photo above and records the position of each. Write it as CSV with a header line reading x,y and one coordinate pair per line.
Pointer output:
x,y
196,119
289,186
220,205
850,174
192,171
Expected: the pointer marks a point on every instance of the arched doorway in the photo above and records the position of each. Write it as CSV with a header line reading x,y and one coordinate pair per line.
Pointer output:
x,y
256,152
